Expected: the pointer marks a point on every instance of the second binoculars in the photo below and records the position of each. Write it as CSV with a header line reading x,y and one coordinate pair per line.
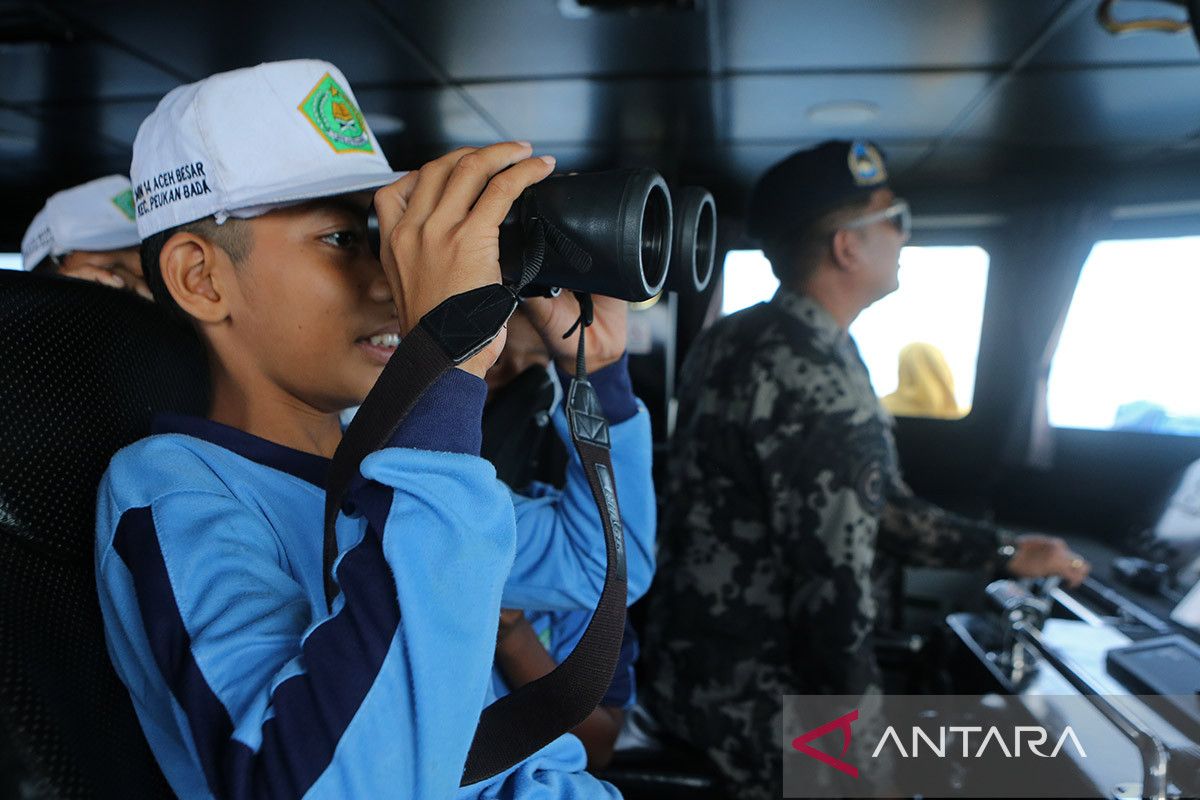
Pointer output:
x,y
612,233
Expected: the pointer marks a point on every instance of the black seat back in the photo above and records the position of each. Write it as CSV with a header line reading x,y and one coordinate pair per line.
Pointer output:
x,y
83,368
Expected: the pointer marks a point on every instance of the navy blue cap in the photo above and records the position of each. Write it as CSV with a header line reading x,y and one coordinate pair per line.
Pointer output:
x,y
810,183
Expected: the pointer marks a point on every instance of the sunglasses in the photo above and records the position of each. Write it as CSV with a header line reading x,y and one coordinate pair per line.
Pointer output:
x,y
897,213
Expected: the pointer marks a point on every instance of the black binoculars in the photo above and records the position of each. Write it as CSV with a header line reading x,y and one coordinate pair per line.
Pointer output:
x,y
614,233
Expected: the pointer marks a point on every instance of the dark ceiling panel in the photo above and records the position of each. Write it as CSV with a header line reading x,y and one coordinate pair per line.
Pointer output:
x,y
18,133
199,39
76,72
477,41
581,123
1085,42
909,106
1098,107
114,123
869,34
963,164
19,136
663,113
429,117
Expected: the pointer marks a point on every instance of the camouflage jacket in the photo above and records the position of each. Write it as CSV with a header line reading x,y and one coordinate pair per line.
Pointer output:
x,y
784,488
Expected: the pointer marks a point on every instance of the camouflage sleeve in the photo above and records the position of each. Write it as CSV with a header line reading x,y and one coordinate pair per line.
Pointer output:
x,y
921,534
823,527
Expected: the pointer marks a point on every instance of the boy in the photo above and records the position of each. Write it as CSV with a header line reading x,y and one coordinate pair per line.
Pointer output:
x,y
88,232
251,190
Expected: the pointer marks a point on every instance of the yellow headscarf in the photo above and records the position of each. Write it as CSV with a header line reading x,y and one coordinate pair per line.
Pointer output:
x,y
926,385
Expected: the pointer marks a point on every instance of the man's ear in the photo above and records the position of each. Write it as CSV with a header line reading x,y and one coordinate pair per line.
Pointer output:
x,y
190,270
846,249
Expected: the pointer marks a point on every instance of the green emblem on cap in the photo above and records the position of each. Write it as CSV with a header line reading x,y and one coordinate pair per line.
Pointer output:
x,y
331,111
124,201
866,164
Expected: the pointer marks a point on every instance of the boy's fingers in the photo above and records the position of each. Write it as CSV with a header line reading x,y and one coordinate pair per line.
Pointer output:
x,y
469,177
88,272
133,282
503,190
543,310
391,201
431,181
140,286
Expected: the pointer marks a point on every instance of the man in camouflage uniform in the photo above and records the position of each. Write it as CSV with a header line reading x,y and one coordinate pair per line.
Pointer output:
x,y
786,498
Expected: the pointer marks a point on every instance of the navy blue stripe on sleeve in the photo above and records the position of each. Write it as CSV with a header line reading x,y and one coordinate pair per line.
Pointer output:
x,y
312,710
614,389
447,417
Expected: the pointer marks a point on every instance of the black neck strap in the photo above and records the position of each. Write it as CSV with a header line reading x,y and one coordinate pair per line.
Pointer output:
x,y
523,722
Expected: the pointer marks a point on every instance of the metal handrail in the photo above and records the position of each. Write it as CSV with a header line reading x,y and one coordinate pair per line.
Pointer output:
x,y
1155,755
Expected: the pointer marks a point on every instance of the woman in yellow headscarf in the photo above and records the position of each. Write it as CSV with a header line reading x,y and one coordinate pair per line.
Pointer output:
x,y
926,385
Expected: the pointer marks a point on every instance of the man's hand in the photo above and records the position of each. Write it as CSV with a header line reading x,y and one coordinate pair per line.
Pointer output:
x,y
605,340
440,229
1040,556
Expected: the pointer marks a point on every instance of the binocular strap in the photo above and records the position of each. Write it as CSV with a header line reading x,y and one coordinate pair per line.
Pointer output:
x,y
519,724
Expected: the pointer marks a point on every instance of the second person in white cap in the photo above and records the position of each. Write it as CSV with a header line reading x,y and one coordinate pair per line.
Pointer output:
x,y
88,232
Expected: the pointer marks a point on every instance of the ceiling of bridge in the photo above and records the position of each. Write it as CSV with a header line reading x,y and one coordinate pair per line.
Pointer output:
x,y
956,91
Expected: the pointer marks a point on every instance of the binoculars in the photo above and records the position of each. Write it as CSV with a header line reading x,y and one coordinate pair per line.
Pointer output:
x,y
614,233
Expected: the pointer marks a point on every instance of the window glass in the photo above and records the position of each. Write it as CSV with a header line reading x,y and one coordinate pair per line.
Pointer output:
x,y
1127,357
10,260
934,319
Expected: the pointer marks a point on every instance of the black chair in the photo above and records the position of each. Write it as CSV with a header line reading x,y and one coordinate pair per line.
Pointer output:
x,y
83,369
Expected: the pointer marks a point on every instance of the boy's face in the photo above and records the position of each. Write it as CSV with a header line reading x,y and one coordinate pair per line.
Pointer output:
x,y
310,310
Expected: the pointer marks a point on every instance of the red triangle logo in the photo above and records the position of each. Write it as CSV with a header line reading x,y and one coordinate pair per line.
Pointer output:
x,y
842,723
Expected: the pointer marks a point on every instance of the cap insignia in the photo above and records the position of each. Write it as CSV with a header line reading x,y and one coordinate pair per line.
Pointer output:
x,y
866,164
124,202
333,114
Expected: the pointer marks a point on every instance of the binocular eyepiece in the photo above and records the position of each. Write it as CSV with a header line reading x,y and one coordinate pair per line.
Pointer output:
x,y
614,233
695,245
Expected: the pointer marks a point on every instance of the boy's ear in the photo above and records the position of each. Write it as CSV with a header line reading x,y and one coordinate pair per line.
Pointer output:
x,y
189,270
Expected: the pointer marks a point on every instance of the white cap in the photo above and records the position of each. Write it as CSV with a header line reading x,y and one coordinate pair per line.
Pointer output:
x,y
239,143
97,215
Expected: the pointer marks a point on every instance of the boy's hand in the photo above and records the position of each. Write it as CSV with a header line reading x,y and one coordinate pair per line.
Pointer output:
x,y
115,276
510,620
606,336
440,229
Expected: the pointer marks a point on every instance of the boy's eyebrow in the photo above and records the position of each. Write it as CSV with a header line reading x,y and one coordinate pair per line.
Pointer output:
x,y
343,205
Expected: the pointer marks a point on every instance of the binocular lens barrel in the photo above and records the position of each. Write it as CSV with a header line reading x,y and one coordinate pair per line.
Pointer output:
x,y
613,233
608,233
695,240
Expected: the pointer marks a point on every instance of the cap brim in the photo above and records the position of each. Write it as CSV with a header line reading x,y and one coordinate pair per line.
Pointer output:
x,y
332,187
31,258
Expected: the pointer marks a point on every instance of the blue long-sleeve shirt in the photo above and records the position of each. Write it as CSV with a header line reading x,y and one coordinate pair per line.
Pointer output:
x,y
208,563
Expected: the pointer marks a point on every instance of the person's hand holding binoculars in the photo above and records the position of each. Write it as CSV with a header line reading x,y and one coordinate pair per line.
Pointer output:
x,y
604,341
440,229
